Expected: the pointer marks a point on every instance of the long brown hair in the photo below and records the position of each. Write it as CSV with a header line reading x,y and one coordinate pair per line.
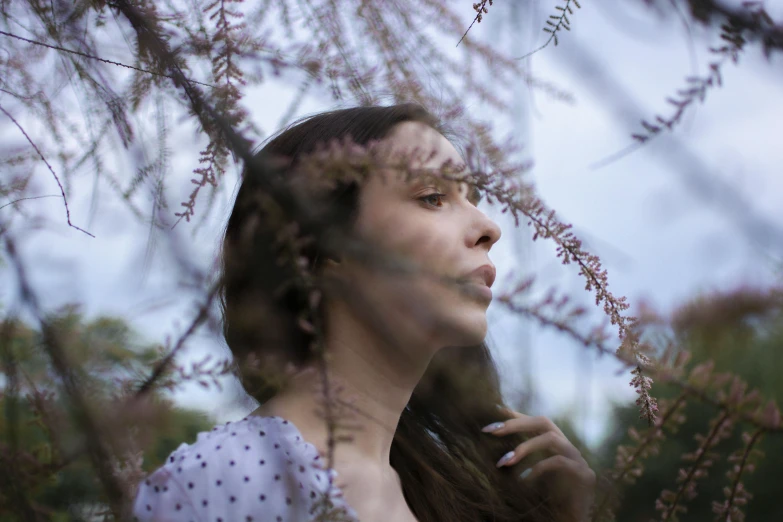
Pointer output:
x,y
446,464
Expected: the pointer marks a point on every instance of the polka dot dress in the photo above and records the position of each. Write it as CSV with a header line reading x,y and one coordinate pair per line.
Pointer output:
x,y
258,469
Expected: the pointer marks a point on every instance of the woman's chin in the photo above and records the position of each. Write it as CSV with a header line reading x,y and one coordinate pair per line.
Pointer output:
x,y
470,327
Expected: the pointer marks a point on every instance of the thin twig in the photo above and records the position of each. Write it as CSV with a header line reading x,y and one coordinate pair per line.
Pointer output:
x,y
32,197
735,484
62,191
92,57
714,433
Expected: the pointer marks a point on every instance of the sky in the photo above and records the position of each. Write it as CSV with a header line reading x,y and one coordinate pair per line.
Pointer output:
x,y
697,209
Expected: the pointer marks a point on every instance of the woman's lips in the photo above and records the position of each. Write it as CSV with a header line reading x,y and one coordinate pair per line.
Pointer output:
x,y
480,280
485,274
482,290
475,289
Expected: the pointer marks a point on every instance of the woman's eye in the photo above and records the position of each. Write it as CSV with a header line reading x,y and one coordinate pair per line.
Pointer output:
x,y
429,198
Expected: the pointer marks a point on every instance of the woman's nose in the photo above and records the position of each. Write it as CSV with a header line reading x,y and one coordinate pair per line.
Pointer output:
x,y
489,231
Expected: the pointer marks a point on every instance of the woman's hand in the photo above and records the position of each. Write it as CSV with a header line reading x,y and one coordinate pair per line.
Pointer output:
x,y
564,476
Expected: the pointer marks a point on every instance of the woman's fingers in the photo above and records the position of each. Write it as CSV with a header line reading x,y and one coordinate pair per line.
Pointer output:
x,y
577,469
522,423
551,442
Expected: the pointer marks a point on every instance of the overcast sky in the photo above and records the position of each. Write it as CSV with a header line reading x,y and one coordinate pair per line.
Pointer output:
x,y
696,210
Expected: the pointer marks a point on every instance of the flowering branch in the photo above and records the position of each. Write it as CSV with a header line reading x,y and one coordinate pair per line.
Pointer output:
x,y
480,9
729,510
629,463
227,95
732,34
562,22
702,458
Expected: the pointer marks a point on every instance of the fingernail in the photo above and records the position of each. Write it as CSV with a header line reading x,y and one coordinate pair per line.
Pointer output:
x,y
525,473
505,458
492,427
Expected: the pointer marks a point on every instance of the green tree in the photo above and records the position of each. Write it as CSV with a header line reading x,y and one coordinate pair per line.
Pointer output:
x,y
741,335
37,435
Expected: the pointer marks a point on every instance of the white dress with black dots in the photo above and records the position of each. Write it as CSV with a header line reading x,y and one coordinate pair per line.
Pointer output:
x,y
259,469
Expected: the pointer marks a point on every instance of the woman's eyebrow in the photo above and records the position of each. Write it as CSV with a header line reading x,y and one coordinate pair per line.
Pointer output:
x,y
427,178
473,194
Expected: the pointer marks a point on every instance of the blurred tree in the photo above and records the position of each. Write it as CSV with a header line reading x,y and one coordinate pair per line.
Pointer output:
x,y
742,336
107,356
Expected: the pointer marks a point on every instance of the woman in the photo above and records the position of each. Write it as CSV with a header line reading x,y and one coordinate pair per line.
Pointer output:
x,y
426,426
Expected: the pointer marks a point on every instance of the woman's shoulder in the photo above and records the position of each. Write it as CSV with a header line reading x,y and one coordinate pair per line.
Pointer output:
x,y
259,466
274,435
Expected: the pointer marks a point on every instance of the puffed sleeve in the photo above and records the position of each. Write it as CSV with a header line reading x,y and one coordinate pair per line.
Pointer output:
x,y
161,498
248,474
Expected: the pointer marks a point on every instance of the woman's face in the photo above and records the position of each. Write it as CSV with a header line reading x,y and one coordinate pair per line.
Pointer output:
x,y
446,234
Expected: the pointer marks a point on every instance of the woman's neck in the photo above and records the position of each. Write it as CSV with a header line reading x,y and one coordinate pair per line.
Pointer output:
x,y
370,384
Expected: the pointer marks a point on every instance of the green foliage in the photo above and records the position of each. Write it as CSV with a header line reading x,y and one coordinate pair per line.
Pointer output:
x,y
740,338
51,471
